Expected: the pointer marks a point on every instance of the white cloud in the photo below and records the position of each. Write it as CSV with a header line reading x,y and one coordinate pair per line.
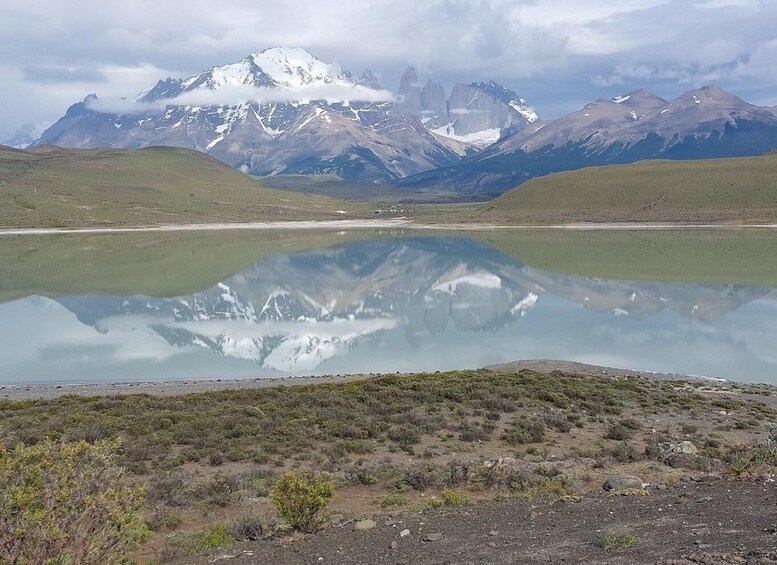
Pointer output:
x,y
232,94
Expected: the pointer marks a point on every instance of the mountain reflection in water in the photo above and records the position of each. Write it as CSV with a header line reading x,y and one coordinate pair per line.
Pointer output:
x,y
412,303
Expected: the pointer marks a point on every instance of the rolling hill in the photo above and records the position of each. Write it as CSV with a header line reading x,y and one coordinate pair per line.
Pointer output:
x,y
739,190
55,187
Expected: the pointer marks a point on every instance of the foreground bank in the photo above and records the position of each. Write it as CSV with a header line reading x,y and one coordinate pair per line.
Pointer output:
x,y
410,444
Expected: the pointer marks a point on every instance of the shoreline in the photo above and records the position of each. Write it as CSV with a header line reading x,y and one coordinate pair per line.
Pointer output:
x,y
360,224
48,391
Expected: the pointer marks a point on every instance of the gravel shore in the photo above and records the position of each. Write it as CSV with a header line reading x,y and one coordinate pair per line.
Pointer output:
x,y
175,388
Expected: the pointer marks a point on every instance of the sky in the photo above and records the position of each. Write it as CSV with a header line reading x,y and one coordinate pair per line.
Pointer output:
x,y
558,54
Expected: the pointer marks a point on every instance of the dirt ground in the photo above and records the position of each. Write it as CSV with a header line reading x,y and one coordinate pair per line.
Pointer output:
x,y
713,522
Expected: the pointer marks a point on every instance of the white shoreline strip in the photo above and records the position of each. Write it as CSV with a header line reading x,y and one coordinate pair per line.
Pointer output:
x,y
366,224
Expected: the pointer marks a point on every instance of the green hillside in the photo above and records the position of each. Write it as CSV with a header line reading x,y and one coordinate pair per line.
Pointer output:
x,y
51,186
742,190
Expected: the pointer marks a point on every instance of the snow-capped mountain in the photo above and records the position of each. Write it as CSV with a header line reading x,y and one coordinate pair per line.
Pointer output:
x,y
284,111
281,110
25,136
701,123
291,313
475,115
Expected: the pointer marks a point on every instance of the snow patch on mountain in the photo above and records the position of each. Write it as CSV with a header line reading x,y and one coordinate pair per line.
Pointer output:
x,y
483,280
478,139
524,304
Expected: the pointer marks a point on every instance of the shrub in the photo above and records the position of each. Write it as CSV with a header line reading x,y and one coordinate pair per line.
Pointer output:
x,y
66,503
452,497
184,545
619,432
164,518
404,435
168,488
219,491
250,528
300,498
420,477
361,476
393,500
558,422
525,430
472,432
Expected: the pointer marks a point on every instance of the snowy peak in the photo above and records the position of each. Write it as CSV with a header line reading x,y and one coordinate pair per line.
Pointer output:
x,y
242,73
294,66
277,66
509,97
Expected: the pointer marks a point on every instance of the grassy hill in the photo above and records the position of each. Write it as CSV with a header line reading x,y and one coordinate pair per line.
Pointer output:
x,y
51,186
714,191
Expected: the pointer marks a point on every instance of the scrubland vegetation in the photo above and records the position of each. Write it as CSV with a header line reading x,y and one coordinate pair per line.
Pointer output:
x,y
223,467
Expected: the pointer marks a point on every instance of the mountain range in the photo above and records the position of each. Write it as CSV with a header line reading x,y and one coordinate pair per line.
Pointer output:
x,y
284,111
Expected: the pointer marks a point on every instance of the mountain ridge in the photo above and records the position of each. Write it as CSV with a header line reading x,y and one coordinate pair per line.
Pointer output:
x,y
283,111
300,122
701,123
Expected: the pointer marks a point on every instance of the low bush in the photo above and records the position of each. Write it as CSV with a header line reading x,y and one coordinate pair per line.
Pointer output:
x,y
300,498
67,503
420,478
453,497
618,432
393,500
250,528
184,545
525,430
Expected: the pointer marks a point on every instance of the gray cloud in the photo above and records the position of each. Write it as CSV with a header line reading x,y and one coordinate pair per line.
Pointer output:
x,y
558,54
54,75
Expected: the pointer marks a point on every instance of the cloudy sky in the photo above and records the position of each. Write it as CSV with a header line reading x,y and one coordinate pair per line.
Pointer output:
x,y
558,54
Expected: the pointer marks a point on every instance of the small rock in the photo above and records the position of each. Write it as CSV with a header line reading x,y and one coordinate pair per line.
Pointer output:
x,y
389,522
704,499
404,533
686,448
432,537
394,544
493,533
704,531
622,482
364,525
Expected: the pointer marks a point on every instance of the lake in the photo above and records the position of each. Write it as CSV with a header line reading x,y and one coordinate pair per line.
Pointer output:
x,y
81,308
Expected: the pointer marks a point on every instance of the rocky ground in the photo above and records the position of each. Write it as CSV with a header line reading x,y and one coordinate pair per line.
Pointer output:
x,y
707,522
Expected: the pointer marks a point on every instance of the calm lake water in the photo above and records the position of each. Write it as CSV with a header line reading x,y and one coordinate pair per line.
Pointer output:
x,y
160,307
